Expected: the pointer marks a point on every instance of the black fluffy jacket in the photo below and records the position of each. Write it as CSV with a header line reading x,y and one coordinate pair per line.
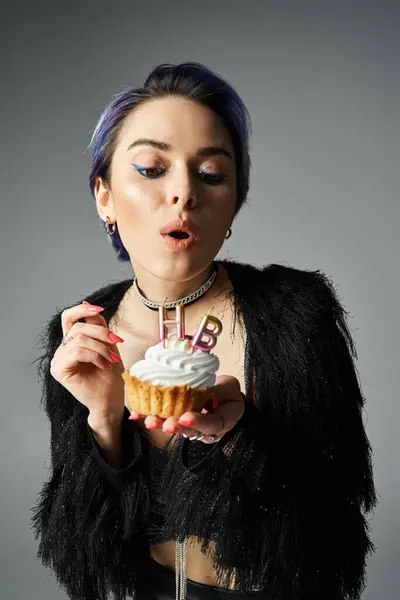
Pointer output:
x,y
281,502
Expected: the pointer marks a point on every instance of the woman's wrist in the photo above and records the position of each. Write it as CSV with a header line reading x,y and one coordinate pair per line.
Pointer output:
x,y
107,432
105,420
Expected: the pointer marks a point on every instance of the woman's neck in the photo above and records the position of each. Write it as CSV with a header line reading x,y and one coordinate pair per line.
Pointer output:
x,y
156,289
133,317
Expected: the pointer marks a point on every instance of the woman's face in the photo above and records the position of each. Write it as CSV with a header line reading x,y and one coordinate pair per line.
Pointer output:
x,y
173,162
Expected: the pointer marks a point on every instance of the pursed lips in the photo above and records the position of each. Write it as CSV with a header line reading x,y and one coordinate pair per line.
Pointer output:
x,y
179,236
179,230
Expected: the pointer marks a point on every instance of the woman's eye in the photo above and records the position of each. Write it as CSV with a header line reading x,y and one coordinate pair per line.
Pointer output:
x,y
212,178
157,171
149,172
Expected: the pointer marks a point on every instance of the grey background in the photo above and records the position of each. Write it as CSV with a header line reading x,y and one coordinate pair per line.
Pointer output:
x,y
321,82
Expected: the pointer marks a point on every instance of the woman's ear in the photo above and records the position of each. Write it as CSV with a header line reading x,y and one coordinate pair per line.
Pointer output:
x,y
104,200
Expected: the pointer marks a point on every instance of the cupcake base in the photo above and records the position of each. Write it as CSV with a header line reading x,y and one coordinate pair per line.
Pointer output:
x,y
163,401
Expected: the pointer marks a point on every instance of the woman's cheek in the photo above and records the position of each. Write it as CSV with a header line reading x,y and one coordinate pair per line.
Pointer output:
x,y
140,198
133,193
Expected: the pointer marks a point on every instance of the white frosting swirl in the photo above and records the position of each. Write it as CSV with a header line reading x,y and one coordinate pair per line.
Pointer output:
x,y
173,365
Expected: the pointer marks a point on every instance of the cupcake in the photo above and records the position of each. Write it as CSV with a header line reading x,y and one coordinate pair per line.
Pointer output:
x,y
176,375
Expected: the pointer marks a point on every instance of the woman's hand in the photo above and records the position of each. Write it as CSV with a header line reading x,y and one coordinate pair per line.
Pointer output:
x,y
89,365
217,418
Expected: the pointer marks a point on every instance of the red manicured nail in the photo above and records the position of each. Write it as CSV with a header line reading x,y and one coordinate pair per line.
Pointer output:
x,y
106,364
135,415
115,357
92,307
185,422
114,338
214,401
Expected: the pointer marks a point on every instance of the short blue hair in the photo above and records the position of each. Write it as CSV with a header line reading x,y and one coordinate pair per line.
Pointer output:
x,y
193,81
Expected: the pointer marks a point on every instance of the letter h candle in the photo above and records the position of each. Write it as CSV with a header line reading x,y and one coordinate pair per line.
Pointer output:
x,y
165,323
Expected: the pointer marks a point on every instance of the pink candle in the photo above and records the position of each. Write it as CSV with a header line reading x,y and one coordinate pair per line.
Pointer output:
x,y
204,330
165,323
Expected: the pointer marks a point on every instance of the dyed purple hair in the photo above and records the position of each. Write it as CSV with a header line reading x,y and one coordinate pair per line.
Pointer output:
x,y
193,81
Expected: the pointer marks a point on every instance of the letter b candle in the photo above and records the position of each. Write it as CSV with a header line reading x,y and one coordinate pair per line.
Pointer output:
x,y
204,330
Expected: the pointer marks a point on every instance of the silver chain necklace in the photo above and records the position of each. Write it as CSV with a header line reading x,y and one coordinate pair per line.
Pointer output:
x,y
180,570
185,301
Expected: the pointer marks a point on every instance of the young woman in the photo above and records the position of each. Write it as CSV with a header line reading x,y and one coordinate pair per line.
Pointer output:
x,y
264,493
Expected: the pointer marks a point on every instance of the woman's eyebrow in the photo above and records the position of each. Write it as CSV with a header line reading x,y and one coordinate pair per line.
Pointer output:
x,y
150,142
204,151
213,151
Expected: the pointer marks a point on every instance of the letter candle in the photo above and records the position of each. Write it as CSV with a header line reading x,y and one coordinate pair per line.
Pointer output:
x,y
204,330
178,322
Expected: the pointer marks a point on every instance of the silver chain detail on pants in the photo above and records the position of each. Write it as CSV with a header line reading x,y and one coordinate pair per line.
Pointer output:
x,y
181,547
180,569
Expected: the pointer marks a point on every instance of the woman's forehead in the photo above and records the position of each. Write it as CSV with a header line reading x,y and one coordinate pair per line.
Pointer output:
x,y
176,121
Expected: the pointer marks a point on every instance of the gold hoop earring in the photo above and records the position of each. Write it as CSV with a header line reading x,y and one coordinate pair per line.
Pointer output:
x,y
111,228
228,235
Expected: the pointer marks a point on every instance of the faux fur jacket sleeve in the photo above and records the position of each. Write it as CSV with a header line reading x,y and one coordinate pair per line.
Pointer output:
x,y
88,516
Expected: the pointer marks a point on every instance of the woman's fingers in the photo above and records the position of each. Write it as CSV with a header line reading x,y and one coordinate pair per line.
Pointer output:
x,y
222,413
71,315
153,422
135,416
89,341
227,387
82,349
97,332
150,421
169,425
82,341
84,355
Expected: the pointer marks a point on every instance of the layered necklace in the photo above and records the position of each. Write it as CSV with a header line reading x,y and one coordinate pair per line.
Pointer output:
x,y
190,299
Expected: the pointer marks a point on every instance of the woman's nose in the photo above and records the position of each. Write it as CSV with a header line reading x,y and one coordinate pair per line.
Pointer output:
x,y
183,192
186,201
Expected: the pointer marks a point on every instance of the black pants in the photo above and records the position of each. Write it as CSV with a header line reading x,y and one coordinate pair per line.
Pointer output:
x,y
159,584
